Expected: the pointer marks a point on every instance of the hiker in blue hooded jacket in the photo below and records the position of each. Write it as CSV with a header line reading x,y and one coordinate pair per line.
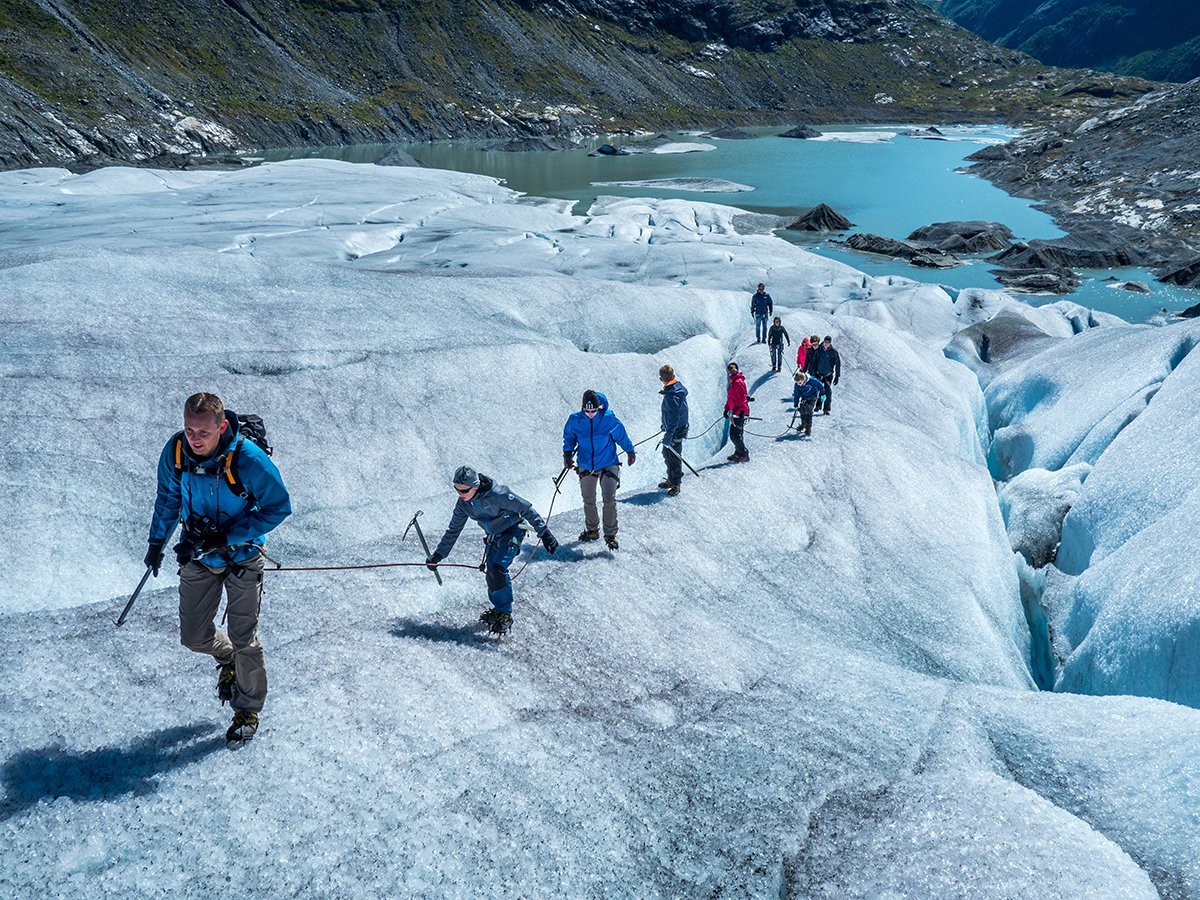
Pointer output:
x,y
499,513
229,494
674,426
590,440
761,307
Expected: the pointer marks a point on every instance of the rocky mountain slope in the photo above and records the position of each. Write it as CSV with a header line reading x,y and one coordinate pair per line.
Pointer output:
x,y
1126,176
85,82
1157,39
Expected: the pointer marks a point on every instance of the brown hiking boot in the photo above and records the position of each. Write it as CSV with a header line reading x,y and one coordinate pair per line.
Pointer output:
x,y
226,676
244,727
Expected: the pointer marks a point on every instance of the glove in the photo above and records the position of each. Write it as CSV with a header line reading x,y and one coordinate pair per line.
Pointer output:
x,y
213,540
154,557
568,460
835,381
184,553
726,414
432,560
550,542
631,458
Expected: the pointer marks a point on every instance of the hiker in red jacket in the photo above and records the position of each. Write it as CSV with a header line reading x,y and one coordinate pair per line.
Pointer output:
x,y
802,353
737,407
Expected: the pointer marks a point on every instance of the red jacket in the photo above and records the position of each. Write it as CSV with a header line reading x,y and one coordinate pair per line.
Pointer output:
x,y
737,401
802,353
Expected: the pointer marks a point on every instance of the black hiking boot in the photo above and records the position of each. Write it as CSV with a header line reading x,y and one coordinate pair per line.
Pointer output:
x,y
501,624
590,535
664,485
488,616
673,491
611,541
226,676
244,727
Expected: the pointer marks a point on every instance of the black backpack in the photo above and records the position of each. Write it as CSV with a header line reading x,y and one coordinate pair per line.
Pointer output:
x,y
250,427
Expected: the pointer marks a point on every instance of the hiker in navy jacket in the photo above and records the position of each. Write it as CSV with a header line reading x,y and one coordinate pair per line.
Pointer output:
x,y
229,494
804,397
590,440
674,426
499,513
826,364
761,307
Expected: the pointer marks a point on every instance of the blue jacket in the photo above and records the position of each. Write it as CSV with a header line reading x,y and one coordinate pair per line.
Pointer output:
x,y
823,361
206,493
674,412
596,438
810,390
761,305
495,508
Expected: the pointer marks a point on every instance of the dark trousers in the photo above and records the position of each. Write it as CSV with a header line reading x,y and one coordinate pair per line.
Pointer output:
x,y
828,391
806,408
674,463
776,355
737,426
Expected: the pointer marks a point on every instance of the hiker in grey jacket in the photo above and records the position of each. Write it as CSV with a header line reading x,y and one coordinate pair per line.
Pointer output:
x,y
499,513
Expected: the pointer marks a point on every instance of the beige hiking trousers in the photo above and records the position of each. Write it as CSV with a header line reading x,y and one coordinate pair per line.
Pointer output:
x,y
610,480
199,601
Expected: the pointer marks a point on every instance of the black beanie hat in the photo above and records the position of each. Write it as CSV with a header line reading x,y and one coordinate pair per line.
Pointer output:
x,y
590,400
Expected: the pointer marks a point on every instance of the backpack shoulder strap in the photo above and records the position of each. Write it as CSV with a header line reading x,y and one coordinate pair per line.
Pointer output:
x,y
177,452
229,472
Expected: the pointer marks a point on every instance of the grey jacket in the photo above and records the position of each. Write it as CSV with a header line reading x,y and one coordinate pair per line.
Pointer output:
x,y
495,508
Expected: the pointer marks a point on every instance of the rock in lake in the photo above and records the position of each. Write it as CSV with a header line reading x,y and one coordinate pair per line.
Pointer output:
x,y
1134,287
398,157
1038,281
1072,252
801,131
916,254
821,218
731,134
608,150
964,237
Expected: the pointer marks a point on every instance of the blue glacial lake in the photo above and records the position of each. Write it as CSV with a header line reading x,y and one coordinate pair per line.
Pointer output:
x,y
882,180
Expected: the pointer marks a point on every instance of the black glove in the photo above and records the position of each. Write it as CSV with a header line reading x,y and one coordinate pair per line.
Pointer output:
x,y
213,540
549,541
726,414
835,381
184,552
432,560
568,460
154,557
631,458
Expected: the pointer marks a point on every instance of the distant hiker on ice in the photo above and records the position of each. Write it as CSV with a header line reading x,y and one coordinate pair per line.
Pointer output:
x,y
776,335
229,494
499,513
674,426
761,307
590,440
737,407
826,364
803,350
984,343
805,393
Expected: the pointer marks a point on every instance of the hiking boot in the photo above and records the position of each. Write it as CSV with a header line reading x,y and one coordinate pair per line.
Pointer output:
x,y
501,624
673,491
590,535
245,724
489,616
226,676
741,457
664,485
611,541
732,457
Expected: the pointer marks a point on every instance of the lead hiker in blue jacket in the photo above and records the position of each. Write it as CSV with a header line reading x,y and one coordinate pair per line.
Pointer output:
x,y
499,513
590,440
229,495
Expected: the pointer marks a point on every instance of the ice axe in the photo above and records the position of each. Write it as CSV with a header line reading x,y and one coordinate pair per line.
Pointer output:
x,y
679,456
559,480
413,523
141,584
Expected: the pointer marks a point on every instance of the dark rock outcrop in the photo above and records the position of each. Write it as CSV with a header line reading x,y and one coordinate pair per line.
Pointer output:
x,y
964,237
731,134
1038,281
1185,276
802,132
1134,287
1072,252
821,218
1192,312
915,254
397,157
608,150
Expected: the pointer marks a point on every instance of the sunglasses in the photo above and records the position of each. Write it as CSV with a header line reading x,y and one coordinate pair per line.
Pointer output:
x,y
463,490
